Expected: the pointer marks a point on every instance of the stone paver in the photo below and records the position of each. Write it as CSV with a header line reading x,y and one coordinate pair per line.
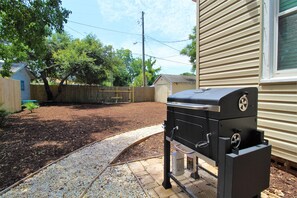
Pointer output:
x,y
151,185
162,192
116,181
204,187
136,166
146,179
71,176
153,193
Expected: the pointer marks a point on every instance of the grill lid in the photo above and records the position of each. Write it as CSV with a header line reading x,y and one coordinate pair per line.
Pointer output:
x,y
234,102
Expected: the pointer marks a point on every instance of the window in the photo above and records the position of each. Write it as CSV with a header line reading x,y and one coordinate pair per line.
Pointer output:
x,y
22,85
279,40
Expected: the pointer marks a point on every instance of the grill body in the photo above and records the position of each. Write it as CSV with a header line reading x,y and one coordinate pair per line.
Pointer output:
x,y
224,120
220,126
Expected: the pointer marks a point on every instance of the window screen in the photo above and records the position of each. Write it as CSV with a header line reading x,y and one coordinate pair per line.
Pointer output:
x,y
287,35
286,4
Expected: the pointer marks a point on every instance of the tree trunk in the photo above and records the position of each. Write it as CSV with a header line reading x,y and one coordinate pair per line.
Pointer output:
x,y
47,87
61,84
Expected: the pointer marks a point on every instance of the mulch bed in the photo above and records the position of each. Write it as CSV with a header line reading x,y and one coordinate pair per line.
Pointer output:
x,y
30,141
282,183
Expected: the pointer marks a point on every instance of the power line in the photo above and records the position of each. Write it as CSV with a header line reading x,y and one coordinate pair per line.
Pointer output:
x,y
106,29
162,59
163,43
178,41
130,33
169,60
75,30
148,45
172,56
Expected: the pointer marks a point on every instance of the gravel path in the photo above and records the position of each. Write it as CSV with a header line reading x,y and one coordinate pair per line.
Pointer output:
x,y
116,181
73,175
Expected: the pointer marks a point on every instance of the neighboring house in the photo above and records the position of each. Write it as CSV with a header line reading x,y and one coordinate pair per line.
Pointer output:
x,y
254,43
166,85
21,73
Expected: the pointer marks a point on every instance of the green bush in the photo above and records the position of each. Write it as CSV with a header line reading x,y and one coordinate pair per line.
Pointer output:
x,y
30,106
3,116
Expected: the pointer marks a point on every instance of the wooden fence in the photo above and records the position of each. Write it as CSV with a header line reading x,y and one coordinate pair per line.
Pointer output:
x,y
10,95
94,94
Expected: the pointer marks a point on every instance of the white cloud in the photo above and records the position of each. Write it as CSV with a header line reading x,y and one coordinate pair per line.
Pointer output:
x,y
173,18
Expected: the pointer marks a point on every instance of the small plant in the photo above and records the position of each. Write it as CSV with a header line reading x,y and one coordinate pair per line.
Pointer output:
x,y
3,116
30,106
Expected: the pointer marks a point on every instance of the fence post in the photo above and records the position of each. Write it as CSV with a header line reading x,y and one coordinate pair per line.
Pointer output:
x,y
133,94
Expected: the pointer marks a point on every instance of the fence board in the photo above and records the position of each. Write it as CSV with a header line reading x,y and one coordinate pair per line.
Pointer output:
x,y
94,94
10,95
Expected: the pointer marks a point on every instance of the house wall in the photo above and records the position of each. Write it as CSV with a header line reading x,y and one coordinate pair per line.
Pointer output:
x,y
177,87
229,54
23,75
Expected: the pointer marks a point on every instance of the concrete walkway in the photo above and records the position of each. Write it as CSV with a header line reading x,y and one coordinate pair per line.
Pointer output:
x,y
74,175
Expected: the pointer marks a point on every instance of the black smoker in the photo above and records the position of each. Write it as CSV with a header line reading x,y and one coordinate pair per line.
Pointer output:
x,y
220,126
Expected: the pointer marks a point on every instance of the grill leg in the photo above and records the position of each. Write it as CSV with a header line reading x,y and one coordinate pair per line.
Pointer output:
x,y
224,147
166,183
195,174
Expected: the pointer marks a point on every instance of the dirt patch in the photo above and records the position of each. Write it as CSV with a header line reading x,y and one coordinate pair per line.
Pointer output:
x,y
153,146
282,183
30,141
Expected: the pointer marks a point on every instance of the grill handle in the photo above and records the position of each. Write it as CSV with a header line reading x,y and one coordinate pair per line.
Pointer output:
x,y
181,150
202,107
203,144
172,132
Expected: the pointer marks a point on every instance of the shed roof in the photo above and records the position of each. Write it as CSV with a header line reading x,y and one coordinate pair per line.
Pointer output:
x,y
15,67
177,78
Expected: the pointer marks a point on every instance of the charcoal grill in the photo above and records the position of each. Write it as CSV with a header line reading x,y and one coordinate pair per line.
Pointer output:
x,y
220,126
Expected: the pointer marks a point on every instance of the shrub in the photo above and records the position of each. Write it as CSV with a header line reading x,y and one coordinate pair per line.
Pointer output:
x,y
30,106
3,116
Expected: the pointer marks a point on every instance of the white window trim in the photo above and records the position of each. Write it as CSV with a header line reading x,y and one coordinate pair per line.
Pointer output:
x,y
270,45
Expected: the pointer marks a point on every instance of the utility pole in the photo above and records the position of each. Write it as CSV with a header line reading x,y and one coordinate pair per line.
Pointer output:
x,y
143,53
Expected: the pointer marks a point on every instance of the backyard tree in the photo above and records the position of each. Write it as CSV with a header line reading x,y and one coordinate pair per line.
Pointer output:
x,y
24,26
130,71
78,60
187,74
150,73
190,49
46,69
121,74
84,61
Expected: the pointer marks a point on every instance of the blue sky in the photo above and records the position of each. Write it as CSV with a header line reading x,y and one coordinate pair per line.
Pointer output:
x,y
170,20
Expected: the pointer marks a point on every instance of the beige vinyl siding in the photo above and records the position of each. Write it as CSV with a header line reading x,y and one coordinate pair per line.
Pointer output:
x,y
277,116
229,54
229,43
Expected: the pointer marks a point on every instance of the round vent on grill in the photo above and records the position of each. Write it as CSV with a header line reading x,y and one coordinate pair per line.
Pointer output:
x,y
243,103
235,140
